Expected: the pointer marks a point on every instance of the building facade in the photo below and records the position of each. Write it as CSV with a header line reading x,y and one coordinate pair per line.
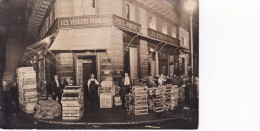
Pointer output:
x,y
106,38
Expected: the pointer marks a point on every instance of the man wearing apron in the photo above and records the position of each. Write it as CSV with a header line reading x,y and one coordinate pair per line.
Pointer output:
x,y
93,90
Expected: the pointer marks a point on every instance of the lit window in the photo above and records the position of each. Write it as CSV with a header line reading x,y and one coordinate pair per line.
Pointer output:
x,y
164,27
174,32
130,12
152,22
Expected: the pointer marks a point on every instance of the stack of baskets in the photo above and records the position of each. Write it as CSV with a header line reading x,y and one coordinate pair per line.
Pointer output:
x,y
26,79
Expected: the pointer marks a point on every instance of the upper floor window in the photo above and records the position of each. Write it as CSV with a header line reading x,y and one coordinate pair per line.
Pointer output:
x,y
182,41
152,22
164,27
130,11
174,32
93,3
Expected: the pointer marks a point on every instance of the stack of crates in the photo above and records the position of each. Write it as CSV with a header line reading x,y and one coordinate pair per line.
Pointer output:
x,y
26,79
105,94
140,98
158,99
72,103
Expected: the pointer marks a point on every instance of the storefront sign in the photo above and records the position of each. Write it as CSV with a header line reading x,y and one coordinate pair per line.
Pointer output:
x,y
126,24
83,21
163,37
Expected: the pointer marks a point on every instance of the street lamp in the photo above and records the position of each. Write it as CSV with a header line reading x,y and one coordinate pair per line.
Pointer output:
x,y
190,7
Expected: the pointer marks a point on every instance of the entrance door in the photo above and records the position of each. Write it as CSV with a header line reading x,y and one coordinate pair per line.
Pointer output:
x,y
133,62
89,67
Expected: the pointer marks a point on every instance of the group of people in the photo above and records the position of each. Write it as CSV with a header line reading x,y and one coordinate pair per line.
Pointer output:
x,y
55,88
92,86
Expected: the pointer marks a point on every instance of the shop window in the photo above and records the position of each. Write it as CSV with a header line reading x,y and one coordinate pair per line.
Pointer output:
x,y
152,22
174,32
130,11
164,27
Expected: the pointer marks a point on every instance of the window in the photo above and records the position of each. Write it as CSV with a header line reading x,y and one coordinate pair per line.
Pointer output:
x,y
174,32
164,27
182,41
130,11
152,22
93,3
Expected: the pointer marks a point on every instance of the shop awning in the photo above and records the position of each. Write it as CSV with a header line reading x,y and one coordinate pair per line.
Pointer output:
x,y
82,39
37,49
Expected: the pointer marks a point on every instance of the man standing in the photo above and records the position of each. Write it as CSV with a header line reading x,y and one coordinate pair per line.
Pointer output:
x,y
93,88
56,88
125,84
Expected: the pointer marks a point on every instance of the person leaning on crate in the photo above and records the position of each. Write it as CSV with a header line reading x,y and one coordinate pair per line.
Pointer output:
x,y
57,88
93,88
126,85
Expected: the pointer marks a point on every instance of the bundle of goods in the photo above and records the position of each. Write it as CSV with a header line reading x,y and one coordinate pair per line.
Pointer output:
x,y
117,100
72,103
47,109
140,97
150,81
26,79
106,93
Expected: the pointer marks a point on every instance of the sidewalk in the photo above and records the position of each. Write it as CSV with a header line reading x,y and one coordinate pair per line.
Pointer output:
x,y
118,116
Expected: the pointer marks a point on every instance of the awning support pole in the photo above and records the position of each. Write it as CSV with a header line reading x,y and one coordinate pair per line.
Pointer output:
x,y
162,47
174,50
128,44
43,57
54,56
149,55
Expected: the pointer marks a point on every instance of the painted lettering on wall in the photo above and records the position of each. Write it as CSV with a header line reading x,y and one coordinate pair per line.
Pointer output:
x,y
85,21
163,37
127,24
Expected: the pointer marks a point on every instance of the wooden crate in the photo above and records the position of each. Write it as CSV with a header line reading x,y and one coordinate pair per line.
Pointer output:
x,y
71,117
106,101
141,112
141,107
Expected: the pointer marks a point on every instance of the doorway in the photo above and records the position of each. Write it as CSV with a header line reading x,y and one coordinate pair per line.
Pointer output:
x,y
131,62
89,67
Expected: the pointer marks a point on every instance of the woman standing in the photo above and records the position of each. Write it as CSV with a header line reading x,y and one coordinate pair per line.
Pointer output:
x,y
93,85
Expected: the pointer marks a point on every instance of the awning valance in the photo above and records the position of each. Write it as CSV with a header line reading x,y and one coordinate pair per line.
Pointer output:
x,y
82,39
